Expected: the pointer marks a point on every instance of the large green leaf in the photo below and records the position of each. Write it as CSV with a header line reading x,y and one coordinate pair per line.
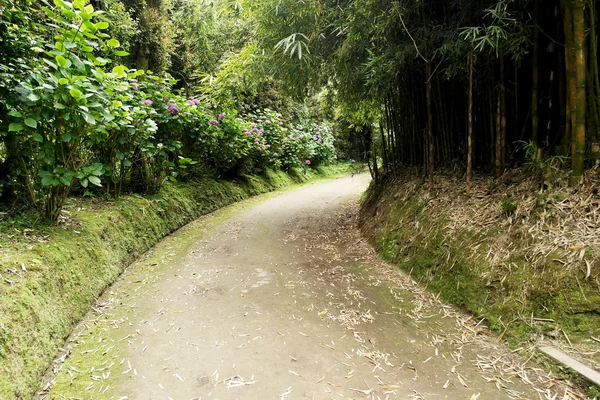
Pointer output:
x,y
76,93
63,62
95,180
31,122
89,118
15,127
113,43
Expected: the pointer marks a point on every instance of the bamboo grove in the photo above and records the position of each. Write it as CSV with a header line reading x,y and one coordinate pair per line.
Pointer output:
x,y
476,84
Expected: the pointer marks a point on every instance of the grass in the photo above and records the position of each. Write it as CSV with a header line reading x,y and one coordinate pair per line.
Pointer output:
x,y
50,275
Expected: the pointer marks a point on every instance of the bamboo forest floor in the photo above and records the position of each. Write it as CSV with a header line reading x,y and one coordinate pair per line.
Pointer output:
x,y
521,252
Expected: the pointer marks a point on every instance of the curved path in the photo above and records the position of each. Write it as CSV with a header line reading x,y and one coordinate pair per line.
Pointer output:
x,y
280,298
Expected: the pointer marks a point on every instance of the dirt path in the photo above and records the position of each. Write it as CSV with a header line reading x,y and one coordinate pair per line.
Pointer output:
x,y
281,300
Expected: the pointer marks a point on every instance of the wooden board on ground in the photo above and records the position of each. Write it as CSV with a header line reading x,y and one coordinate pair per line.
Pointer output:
x,y
587,372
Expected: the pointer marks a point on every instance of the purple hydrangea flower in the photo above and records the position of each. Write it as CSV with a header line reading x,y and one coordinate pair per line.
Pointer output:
x,y
257,140
275,155
248,133
352,160
166,99
134,87
191,102
307,162
173,108
300,136
214,122
221,116
148,102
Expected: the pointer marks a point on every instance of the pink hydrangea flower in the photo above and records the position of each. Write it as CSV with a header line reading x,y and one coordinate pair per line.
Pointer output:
x,y
248,133
222,115
300,136
275,155
280,123
214,122
148,102
268,121
307,162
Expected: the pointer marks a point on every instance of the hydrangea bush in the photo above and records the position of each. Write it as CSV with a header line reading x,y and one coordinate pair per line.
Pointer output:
x,y
83,122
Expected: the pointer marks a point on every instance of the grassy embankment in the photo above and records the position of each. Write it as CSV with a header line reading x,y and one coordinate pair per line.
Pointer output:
x,y
50,275
527,260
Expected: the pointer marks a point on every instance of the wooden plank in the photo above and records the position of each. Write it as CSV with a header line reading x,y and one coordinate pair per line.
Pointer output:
x,y
587,372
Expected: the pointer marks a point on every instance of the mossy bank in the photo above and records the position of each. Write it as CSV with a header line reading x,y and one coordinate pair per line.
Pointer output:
x,y
523,257
50,276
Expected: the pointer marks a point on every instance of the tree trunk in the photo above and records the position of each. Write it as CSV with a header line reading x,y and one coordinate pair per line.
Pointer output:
x,y
536,79
503,110
571,78
430,143
470,137
578,147
498,137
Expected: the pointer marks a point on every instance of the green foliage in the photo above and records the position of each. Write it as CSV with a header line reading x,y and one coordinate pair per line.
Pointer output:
x,y
508,207
62,104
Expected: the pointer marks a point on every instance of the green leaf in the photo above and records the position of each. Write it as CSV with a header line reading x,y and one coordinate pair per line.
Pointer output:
x,y
15,113
101,61
63,81
113,43
59,106
66,137
120,70
33,97
69,45
76,93
30,122
65,180
84,183
49,180
95,180
63,62
120,53
102,25
15,127
37,137
62,4
89,118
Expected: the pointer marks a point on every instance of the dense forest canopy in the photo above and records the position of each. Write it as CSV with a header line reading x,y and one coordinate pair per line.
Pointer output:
x,y
126,94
